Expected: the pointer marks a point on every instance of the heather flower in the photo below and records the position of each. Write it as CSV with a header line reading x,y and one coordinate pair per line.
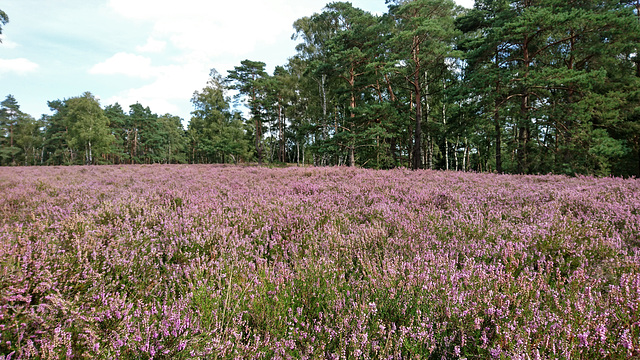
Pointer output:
x,y
625,340
584,339
601,331
106,262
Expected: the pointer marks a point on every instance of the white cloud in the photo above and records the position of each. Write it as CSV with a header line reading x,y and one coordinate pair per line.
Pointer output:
x,y
218,28
196,35
224,27
125,64
465,3
20,66
152,46
7,44
169,91
201,35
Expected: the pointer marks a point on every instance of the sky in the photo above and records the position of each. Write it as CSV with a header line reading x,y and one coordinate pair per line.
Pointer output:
x,y
155,52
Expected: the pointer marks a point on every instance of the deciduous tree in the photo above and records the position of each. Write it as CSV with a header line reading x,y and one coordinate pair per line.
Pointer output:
x,y
246,80
88,127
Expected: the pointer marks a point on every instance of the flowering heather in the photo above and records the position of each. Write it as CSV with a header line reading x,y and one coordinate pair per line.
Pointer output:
x,y
160,262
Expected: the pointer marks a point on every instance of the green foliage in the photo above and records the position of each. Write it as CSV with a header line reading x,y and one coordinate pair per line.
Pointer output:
x,y
522,86
81,132
552,73
215,134
247,79
173,142
4,19
9,115
145,134
88,127
119,151
20,135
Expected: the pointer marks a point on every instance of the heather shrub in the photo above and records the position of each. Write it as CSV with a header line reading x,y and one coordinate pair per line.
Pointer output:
x,y
199,261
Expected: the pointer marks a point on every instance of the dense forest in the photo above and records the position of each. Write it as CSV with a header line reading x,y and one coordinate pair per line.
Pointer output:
x,y
527,86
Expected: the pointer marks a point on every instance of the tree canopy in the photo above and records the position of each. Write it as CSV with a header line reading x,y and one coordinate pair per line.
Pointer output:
x,y
4,19
513,86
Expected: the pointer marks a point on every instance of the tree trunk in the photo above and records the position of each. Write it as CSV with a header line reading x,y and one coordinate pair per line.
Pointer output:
x,y
193,153
13,155
426,152
391,93
446,141
444,123
135,145
281,152
325,123
637,138
523,138
455,153
417,137
498,129
465,155
352,158
352,84
377,152
431,147
258,142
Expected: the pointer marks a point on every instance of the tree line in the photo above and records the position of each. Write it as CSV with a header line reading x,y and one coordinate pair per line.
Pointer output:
x,y
527,86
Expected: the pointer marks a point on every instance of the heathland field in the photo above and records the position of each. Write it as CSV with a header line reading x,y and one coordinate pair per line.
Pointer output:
x,y
200,261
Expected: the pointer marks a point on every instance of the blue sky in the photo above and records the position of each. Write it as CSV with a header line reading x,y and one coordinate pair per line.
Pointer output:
x,y
156,52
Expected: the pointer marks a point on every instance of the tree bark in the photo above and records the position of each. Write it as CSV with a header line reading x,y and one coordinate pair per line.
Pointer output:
x,y
281,151
498,129
523,136
417,90
446,141
455,153
13,155
417,137
325,131
135,144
